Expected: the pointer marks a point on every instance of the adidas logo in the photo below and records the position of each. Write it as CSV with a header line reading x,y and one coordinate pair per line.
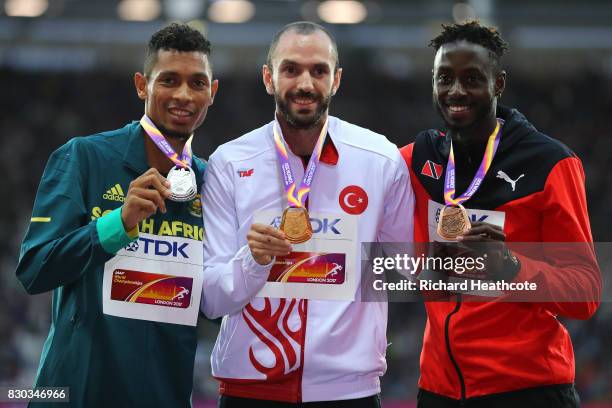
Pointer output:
x,y
114,193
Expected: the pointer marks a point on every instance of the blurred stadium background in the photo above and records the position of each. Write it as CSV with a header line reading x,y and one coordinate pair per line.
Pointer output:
x,y
66,69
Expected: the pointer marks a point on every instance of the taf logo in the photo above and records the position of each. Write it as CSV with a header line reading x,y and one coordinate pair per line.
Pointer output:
x,y
353,200
245,172
319,226
159,247
431,169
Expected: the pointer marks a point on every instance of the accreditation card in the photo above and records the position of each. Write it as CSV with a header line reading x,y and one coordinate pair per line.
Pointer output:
x,y
323,267
156,278
434,210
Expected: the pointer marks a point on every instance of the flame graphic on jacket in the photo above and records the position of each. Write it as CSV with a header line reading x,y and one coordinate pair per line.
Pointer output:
x,y
271,327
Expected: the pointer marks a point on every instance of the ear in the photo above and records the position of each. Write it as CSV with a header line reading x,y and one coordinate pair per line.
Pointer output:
x,y
140,82
213,90
337,78
268,81
500,83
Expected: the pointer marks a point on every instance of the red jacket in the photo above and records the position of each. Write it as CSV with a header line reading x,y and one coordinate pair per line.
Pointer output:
x,y
477,348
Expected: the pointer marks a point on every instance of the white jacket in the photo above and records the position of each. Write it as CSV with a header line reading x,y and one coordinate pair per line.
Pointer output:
x,y
287,349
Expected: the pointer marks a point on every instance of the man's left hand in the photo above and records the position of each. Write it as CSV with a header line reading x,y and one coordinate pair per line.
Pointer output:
x,y
490,240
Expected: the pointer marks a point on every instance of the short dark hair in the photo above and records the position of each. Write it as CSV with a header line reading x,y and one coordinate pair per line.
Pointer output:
x,y
304,28
175,36
474,32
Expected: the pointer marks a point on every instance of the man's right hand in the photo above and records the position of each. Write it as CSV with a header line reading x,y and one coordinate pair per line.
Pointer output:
x,y
145,195
266,242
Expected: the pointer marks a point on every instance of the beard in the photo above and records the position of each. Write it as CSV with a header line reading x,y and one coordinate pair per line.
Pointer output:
x,y
171,134
302,121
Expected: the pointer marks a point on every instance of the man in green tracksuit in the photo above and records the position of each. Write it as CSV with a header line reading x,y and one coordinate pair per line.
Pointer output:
x,y
116,233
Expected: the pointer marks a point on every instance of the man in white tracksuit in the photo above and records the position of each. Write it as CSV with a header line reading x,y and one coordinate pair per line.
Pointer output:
x,y
285,351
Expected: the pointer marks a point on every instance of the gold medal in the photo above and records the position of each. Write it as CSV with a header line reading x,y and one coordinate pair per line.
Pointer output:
x,y
453,221
296,225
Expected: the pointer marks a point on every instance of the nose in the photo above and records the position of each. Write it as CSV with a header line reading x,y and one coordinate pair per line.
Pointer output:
x,y
183,93
456,89
305,82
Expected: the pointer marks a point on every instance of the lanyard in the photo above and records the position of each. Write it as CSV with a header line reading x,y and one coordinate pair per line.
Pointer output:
x,y
160,141
297,198
449,180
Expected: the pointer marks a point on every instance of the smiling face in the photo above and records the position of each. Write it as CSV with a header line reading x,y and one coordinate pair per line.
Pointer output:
x,y
466,84
178,91
302,77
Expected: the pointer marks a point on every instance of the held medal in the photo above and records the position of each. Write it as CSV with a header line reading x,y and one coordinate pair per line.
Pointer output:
x,y
182,184
181,177
295,222
453,221
296,225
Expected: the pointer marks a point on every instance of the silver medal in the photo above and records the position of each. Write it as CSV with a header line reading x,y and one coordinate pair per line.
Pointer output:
x,y
182,184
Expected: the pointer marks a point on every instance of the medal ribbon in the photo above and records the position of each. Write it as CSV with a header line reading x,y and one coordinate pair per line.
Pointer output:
x,y
160,141
297,198
449,179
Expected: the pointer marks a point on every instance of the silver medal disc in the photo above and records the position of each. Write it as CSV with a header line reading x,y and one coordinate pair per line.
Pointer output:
x,y
182,184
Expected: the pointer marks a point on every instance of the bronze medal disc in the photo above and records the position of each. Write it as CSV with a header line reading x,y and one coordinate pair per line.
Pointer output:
x,y
453,221
296,225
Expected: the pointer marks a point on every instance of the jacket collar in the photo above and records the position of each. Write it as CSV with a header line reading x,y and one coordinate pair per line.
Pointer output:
x,y
515,128
329,152
135,157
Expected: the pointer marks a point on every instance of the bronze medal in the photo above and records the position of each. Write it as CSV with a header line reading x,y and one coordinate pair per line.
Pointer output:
x,y
296,225
453,221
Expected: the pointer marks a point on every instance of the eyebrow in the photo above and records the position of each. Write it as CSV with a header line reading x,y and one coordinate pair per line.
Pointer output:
x,y
292,62
198,74
447,67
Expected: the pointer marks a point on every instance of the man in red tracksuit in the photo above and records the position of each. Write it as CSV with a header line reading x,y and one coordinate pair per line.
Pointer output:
x,y
494,354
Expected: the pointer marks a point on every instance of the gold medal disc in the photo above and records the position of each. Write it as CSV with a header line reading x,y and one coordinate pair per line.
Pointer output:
x,y
453,221
296,225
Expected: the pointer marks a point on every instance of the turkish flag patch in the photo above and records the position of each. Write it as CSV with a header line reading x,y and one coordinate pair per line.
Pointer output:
x,y
431,169
353,200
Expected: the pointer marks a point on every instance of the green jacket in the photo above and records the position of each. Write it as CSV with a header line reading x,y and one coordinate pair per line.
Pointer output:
x,y
106,361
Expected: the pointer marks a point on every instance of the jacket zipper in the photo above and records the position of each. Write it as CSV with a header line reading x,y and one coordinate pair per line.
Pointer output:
x,y
450,352
305,316
303,352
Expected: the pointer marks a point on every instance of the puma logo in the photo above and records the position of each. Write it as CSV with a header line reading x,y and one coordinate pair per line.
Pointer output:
x,y
502,175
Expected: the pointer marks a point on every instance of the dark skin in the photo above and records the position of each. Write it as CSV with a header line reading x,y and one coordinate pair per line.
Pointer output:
x,y
177,93
466,84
